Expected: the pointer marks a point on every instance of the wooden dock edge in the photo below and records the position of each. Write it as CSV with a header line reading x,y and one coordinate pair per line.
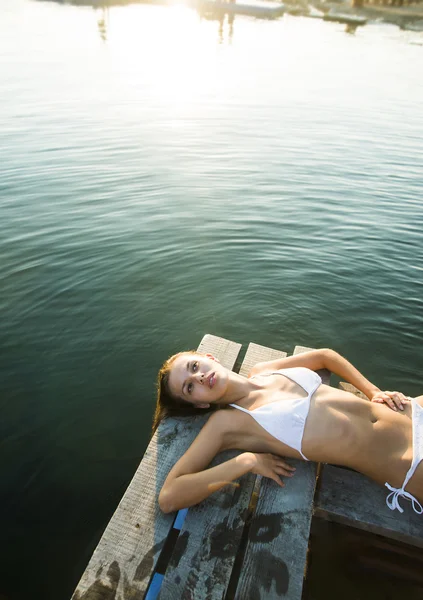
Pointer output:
x,y
212,534
349,498
127,554
255,536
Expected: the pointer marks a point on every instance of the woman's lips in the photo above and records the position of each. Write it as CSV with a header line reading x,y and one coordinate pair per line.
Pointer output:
x,y
212,380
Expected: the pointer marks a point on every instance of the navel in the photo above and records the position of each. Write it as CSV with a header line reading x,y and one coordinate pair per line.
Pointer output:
x,y
373,419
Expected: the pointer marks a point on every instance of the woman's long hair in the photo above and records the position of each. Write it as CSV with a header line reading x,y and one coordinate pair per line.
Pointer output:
x,y
169,405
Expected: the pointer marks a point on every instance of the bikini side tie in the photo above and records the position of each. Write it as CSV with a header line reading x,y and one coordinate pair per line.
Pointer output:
x,y
393,502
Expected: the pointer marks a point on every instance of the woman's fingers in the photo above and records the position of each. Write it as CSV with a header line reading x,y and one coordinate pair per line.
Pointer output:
x,y
282,468
391,403
283,472
403,399
378,400
278,481
286,467
380,397
277,468
279,461
398,399
395,400
384,398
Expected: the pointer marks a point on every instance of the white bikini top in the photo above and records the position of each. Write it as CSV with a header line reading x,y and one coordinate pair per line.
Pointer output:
x,y
286,419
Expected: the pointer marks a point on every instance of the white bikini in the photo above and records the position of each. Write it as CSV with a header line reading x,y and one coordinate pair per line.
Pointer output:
x,y
285,420
392,499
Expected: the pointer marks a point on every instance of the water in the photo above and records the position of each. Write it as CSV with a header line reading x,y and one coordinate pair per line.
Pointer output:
x,y
163,176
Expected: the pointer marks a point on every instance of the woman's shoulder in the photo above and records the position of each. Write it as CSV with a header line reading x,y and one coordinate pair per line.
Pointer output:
x,y
225,422
223,419
227,425
312,360
261,368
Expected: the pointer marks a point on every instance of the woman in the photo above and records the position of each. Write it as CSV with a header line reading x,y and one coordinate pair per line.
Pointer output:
x,y
284,409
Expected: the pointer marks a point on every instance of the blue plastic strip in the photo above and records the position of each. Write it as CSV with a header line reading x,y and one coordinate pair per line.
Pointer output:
x,y
180,518
155,585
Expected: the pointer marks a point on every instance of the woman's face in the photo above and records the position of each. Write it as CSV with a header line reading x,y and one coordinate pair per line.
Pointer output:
x,y
198,379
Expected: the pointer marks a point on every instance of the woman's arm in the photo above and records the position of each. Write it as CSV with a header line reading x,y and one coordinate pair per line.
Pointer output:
x,y
186,490
322,359
189,481
337,364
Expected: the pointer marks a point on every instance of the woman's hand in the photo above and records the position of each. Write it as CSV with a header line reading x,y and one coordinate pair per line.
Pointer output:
x,y
394,400
272,466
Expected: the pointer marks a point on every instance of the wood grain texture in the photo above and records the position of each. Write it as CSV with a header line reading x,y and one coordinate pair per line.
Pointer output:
x,y
126,555
255,354
275,560
352,499
225,350
203,557
276,552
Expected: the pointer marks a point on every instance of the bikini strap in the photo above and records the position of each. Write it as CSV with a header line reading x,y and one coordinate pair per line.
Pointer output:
x,y
240,408
393,502
392,499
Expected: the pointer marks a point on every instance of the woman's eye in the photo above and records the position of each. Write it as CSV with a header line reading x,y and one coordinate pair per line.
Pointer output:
x,y
195,366
189,388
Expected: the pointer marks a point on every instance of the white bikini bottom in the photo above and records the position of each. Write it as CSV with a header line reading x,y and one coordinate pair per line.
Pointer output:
x,y
392,499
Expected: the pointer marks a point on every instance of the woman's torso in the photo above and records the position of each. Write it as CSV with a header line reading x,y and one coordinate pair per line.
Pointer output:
x,y
340,429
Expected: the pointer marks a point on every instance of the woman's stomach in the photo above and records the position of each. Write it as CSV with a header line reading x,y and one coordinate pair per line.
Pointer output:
x,y
346,430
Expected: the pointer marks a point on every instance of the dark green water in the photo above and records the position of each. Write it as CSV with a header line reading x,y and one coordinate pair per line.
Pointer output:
x,y
177,178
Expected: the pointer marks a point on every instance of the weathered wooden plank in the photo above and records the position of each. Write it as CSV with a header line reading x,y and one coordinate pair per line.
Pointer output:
x,y
204,554
225,350
278,538
301,349
276,553
240,579
255,354
127,553
350,498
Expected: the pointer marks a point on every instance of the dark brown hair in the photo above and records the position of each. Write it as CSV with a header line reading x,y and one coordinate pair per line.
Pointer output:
x,y
169,405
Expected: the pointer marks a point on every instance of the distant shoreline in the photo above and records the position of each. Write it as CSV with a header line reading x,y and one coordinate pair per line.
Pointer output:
x,y
408,17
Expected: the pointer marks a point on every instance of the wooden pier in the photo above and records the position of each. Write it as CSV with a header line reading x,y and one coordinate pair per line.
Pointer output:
x,y
246,542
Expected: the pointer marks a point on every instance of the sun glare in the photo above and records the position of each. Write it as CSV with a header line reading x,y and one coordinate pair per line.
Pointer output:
x,y
169,49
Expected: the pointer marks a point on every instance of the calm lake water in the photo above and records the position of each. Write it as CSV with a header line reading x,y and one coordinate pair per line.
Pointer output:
x,y
163,176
